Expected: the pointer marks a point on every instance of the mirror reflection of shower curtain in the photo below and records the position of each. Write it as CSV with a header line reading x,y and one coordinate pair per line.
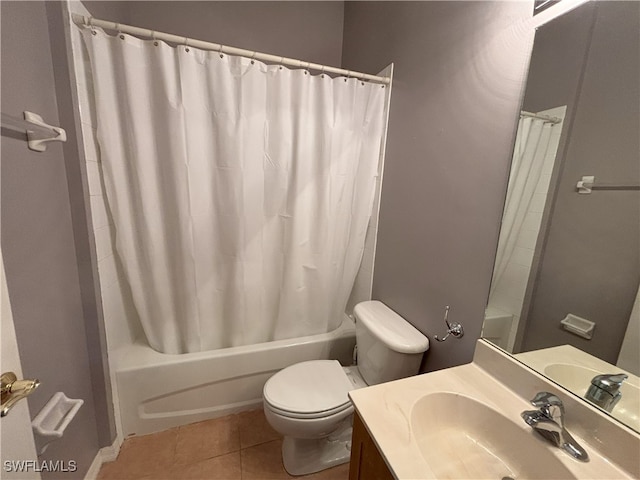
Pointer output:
x,y
240,192
532,142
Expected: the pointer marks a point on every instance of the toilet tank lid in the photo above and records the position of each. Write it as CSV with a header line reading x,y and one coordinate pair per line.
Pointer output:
x,y
390,328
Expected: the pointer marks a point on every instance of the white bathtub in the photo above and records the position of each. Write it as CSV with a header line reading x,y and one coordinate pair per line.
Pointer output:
x,y
497,326
157,391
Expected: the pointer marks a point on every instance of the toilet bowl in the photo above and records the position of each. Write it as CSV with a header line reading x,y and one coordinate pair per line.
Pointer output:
x,y
308,402
310,399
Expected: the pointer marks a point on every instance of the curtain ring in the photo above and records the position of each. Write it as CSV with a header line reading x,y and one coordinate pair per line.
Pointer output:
x,y
220,51
348,75
153,37
253,56
281,60
119,32
186,44
89,21
322,72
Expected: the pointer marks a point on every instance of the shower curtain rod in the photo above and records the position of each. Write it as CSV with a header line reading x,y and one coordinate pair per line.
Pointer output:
x,y
190,42
548,118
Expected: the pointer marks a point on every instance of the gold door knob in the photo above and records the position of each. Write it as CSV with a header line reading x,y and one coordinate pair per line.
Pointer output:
x,y
14,390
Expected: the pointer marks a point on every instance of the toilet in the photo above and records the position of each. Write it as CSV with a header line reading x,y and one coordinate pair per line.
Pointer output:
x,y
308,402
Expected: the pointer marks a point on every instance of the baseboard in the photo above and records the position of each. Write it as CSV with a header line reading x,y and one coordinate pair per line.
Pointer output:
x,y
104,455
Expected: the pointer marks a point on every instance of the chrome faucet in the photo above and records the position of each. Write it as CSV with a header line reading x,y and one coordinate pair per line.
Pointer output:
x,y
548,421
604,390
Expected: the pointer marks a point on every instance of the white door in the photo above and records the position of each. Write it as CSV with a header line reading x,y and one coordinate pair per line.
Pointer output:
x,y
17,447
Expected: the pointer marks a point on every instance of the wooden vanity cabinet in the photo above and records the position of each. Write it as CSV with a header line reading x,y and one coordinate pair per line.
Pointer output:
x,y
366,461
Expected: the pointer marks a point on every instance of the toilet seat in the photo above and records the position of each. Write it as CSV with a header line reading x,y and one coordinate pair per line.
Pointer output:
x,y
346,408
313,389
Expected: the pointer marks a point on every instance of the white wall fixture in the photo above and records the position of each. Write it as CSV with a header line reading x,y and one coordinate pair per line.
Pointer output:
x,y
585,185
38,132
40,144
55,416
578,325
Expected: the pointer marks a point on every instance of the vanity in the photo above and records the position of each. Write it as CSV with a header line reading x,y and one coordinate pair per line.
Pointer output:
x,y
366,460
465,422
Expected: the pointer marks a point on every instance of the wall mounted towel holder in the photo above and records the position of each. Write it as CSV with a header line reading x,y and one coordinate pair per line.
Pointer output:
x,y
38,132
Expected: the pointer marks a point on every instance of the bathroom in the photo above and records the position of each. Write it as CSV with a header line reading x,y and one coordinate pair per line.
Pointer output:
x,y
459,72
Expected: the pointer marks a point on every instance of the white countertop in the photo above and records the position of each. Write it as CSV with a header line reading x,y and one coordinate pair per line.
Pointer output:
x,y
386,411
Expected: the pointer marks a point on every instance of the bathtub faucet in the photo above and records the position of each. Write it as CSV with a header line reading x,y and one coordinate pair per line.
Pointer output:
x,y
548,421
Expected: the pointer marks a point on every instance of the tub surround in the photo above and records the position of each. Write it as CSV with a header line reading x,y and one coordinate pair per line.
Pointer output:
x,y
158,391
503,384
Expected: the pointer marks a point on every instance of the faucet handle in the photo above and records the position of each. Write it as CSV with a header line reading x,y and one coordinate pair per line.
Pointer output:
x,y
550,405
543,399
609,382
549,422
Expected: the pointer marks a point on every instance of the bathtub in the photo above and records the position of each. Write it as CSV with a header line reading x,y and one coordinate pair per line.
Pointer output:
x,y
497,326
157,391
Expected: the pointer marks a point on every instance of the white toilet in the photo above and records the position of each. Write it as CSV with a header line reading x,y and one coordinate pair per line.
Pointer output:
x,y
308,403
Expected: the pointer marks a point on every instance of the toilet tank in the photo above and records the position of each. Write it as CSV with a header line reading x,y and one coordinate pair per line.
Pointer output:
x,y
389,347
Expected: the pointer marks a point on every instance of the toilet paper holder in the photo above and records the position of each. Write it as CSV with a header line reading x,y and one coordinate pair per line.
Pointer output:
x,y
55,416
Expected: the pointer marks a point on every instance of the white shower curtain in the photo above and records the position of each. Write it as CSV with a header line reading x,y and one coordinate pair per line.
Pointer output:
x,y
240,192
532,142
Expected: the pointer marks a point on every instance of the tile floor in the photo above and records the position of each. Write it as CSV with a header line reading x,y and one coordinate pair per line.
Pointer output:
x,y
235,447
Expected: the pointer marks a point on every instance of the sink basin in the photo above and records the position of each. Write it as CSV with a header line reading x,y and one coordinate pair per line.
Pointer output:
x,y
578,378
460,437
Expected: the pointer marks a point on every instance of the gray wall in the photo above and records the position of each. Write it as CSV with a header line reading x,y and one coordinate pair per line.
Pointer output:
x,y
558,60
310,31
46,254
591,261
458,82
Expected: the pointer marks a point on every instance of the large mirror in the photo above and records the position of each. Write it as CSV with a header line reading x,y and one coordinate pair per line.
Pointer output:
x,y
564,296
